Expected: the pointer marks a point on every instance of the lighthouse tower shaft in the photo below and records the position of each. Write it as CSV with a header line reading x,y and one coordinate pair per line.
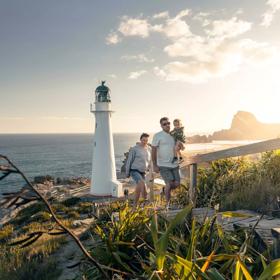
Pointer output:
x,y
104,180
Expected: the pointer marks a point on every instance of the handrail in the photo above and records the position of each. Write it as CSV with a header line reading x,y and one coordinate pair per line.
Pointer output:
x,y
193,161
243,150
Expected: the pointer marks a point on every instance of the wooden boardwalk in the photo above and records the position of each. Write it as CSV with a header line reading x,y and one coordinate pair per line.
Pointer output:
x,y
267,229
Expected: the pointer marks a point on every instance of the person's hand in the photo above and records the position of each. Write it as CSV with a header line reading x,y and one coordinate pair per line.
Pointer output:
x,y
156,168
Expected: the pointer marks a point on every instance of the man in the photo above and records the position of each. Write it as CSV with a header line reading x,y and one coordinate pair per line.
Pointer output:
x,y
162,156
138,163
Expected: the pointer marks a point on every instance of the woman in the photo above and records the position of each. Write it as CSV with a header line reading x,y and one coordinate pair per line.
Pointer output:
x,y
138,162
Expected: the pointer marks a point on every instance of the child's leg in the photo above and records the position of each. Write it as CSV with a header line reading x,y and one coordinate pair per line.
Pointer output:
x,y
176,150
181,148
178,146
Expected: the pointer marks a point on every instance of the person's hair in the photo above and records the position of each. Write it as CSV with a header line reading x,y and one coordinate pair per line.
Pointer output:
x,y
144,135
177,121
163,119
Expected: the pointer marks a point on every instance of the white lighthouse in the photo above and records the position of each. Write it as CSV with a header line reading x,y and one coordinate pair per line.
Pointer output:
x,y
104,179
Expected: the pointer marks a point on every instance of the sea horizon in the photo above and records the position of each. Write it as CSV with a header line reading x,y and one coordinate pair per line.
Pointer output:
x,y
188,133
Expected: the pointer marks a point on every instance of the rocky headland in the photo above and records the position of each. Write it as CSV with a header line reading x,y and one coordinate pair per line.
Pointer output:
x,y
244,126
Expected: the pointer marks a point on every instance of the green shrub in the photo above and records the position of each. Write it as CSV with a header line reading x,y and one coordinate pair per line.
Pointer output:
x,y
143,244
34,269
31,262
85,207
24,215
119,239
72,214
241,184
179,195
5,233
71,201
32,209
42,216
59,207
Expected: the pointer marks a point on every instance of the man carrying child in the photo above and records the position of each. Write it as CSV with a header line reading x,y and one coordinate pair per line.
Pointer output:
x,y
163,147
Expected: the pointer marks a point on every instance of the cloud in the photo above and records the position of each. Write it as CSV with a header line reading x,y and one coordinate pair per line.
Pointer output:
x,y
174,27
113,39
202,18
215,54
228,28
255,52
267,19
135,75
161,15
204,47
171,27
274,4
212,50
177,27
225,59
138,57
134,27
182,14
199,71
268,16
192,46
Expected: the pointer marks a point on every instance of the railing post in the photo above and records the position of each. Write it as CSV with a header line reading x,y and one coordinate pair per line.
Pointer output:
x,y
193,182
150,184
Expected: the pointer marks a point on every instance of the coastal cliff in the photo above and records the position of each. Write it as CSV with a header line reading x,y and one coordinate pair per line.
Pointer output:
x,y
244,126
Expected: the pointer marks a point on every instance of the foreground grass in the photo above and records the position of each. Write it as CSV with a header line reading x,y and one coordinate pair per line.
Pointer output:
x,y
35,261
30,262
144,244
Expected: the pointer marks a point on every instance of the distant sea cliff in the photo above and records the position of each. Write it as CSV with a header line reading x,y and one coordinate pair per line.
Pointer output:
x,y
244,126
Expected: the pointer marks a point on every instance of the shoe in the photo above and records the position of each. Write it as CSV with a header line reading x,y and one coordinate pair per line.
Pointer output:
x,y
174,159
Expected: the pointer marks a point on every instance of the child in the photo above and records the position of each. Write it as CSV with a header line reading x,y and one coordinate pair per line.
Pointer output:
x,y
180,139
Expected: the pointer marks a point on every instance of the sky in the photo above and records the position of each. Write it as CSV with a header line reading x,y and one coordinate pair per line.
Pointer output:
x,y
200,61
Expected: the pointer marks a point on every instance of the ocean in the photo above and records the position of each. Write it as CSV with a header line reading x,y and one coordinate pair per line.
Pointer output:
x,y
60,155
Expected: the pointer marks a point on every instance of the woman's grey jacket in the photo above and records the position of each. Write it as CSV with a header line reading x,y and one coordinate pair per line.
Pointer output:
x,y
139,158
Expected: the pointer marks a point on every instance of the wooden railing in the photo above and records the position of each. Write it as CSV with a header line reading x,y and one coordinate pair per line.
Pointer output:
x,y
193,161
